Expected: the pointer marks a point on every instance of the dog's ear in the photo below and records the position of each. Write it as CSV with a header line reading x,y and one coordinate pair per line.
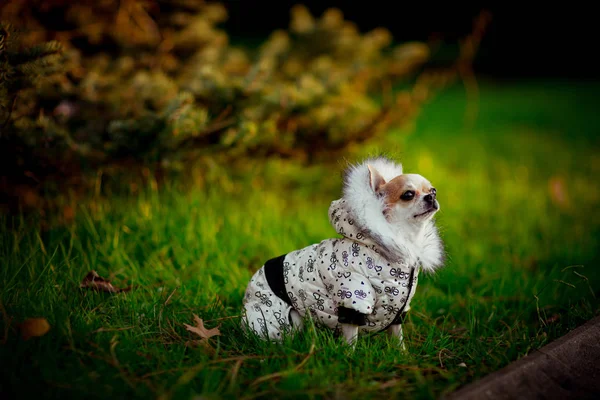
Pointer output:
x,y
375,179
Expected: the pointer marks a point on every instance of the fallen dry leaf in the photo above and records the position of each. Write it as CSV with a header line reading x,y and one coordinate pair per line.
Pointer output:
x,y
33,327
94,281
200,330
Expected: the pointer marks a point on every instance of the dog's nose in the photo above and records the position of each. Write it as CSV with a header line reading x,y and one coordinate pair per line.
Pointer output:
x,y
429,198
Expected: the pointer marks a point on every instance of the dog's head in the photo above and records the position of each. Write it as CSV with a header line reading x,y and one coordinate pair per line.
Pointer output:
x,y
409,198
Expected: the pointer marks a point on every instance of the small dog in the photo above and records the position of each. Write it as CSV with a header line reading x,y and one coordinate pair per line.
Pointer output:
x,y
364,281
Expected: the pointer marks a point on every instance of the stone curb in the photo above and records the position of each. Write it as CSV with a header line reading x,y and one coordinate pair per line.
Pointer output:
x,y
567,368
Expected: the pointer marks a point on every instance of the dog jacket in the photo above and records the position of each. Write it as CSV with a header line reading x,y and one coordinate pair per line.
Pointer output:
x,y
367,277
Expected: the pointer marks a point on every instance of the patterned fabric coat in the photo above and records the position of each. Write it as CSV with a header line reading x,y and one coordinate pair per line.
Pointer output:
x,y
349,275
367,277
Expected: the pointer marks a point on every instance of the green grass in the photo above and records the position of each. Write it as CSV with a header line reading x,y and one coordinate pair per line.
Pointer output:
x,y
522,268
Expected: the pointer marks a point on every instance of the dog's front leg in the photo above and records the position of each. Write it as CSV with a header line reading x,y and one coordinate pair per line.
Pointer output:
x,y
350,333
395,332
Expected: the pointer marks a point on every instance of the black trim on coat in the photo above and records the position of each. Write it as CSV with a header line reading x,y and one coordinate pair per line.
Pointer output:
x,y
351,316
400,317
274,275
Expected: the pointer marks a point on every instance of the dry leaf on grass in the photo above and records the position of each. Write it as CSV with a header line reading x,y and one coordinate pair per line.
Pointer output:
x,y
33,327
200,330
94,281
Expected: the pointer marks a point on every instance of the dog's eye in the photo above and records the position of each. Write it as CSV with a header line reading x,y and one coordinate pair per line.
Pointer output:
x,y
408,195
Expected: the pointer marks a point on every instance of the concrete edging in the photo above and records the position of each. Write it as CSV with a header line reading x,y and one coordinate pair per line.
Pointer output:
x,y
567,368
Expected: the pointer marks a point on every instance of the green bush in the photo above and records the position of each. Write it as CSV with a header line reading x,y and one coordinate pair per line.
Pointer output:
x,y
158,84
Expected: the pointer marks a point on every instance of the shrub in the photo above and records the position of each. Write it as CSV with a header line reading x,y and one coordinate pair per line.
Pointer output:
x,y
158,84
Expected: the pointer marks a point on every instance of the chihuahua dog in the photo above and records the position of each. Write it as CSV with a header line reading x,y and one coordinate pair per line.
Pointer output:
x,y
363,281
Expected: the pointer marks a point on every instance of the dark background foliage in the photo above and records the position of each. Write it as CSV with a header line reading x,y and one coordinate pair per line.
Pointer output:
x,y
525,40
163,84
116,86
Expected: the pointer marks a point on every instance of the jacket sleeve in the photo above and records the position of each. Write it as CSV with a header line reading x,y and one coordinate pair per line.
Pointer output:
x,y
354,297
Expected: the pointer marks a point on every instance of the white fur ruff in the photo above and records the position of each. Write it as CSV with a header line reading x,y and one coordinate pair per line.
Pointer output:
x,y
368,208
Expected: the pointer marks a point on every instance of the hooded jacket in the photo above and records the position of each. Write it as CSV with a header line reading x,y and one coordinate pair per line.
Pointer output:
x,y
369,275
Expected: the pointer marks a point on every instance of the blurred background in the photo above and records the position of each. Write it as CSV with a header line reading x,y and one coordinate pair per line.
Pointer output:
x,y
152,87
525,40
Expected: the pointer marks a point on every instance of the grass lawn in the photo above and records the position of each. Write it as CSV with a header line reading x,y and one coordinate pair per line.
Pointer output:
x,y
518,215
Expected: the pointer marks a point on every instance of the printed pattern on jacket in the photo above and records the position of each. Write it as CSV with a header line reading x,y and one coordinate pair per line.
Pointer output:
x,y
368,275
343,272
348,272
265,313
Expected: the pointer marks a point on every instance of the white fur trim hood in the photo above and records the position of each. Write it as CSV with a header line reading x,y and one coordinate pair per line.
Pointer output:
x,y
361,201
